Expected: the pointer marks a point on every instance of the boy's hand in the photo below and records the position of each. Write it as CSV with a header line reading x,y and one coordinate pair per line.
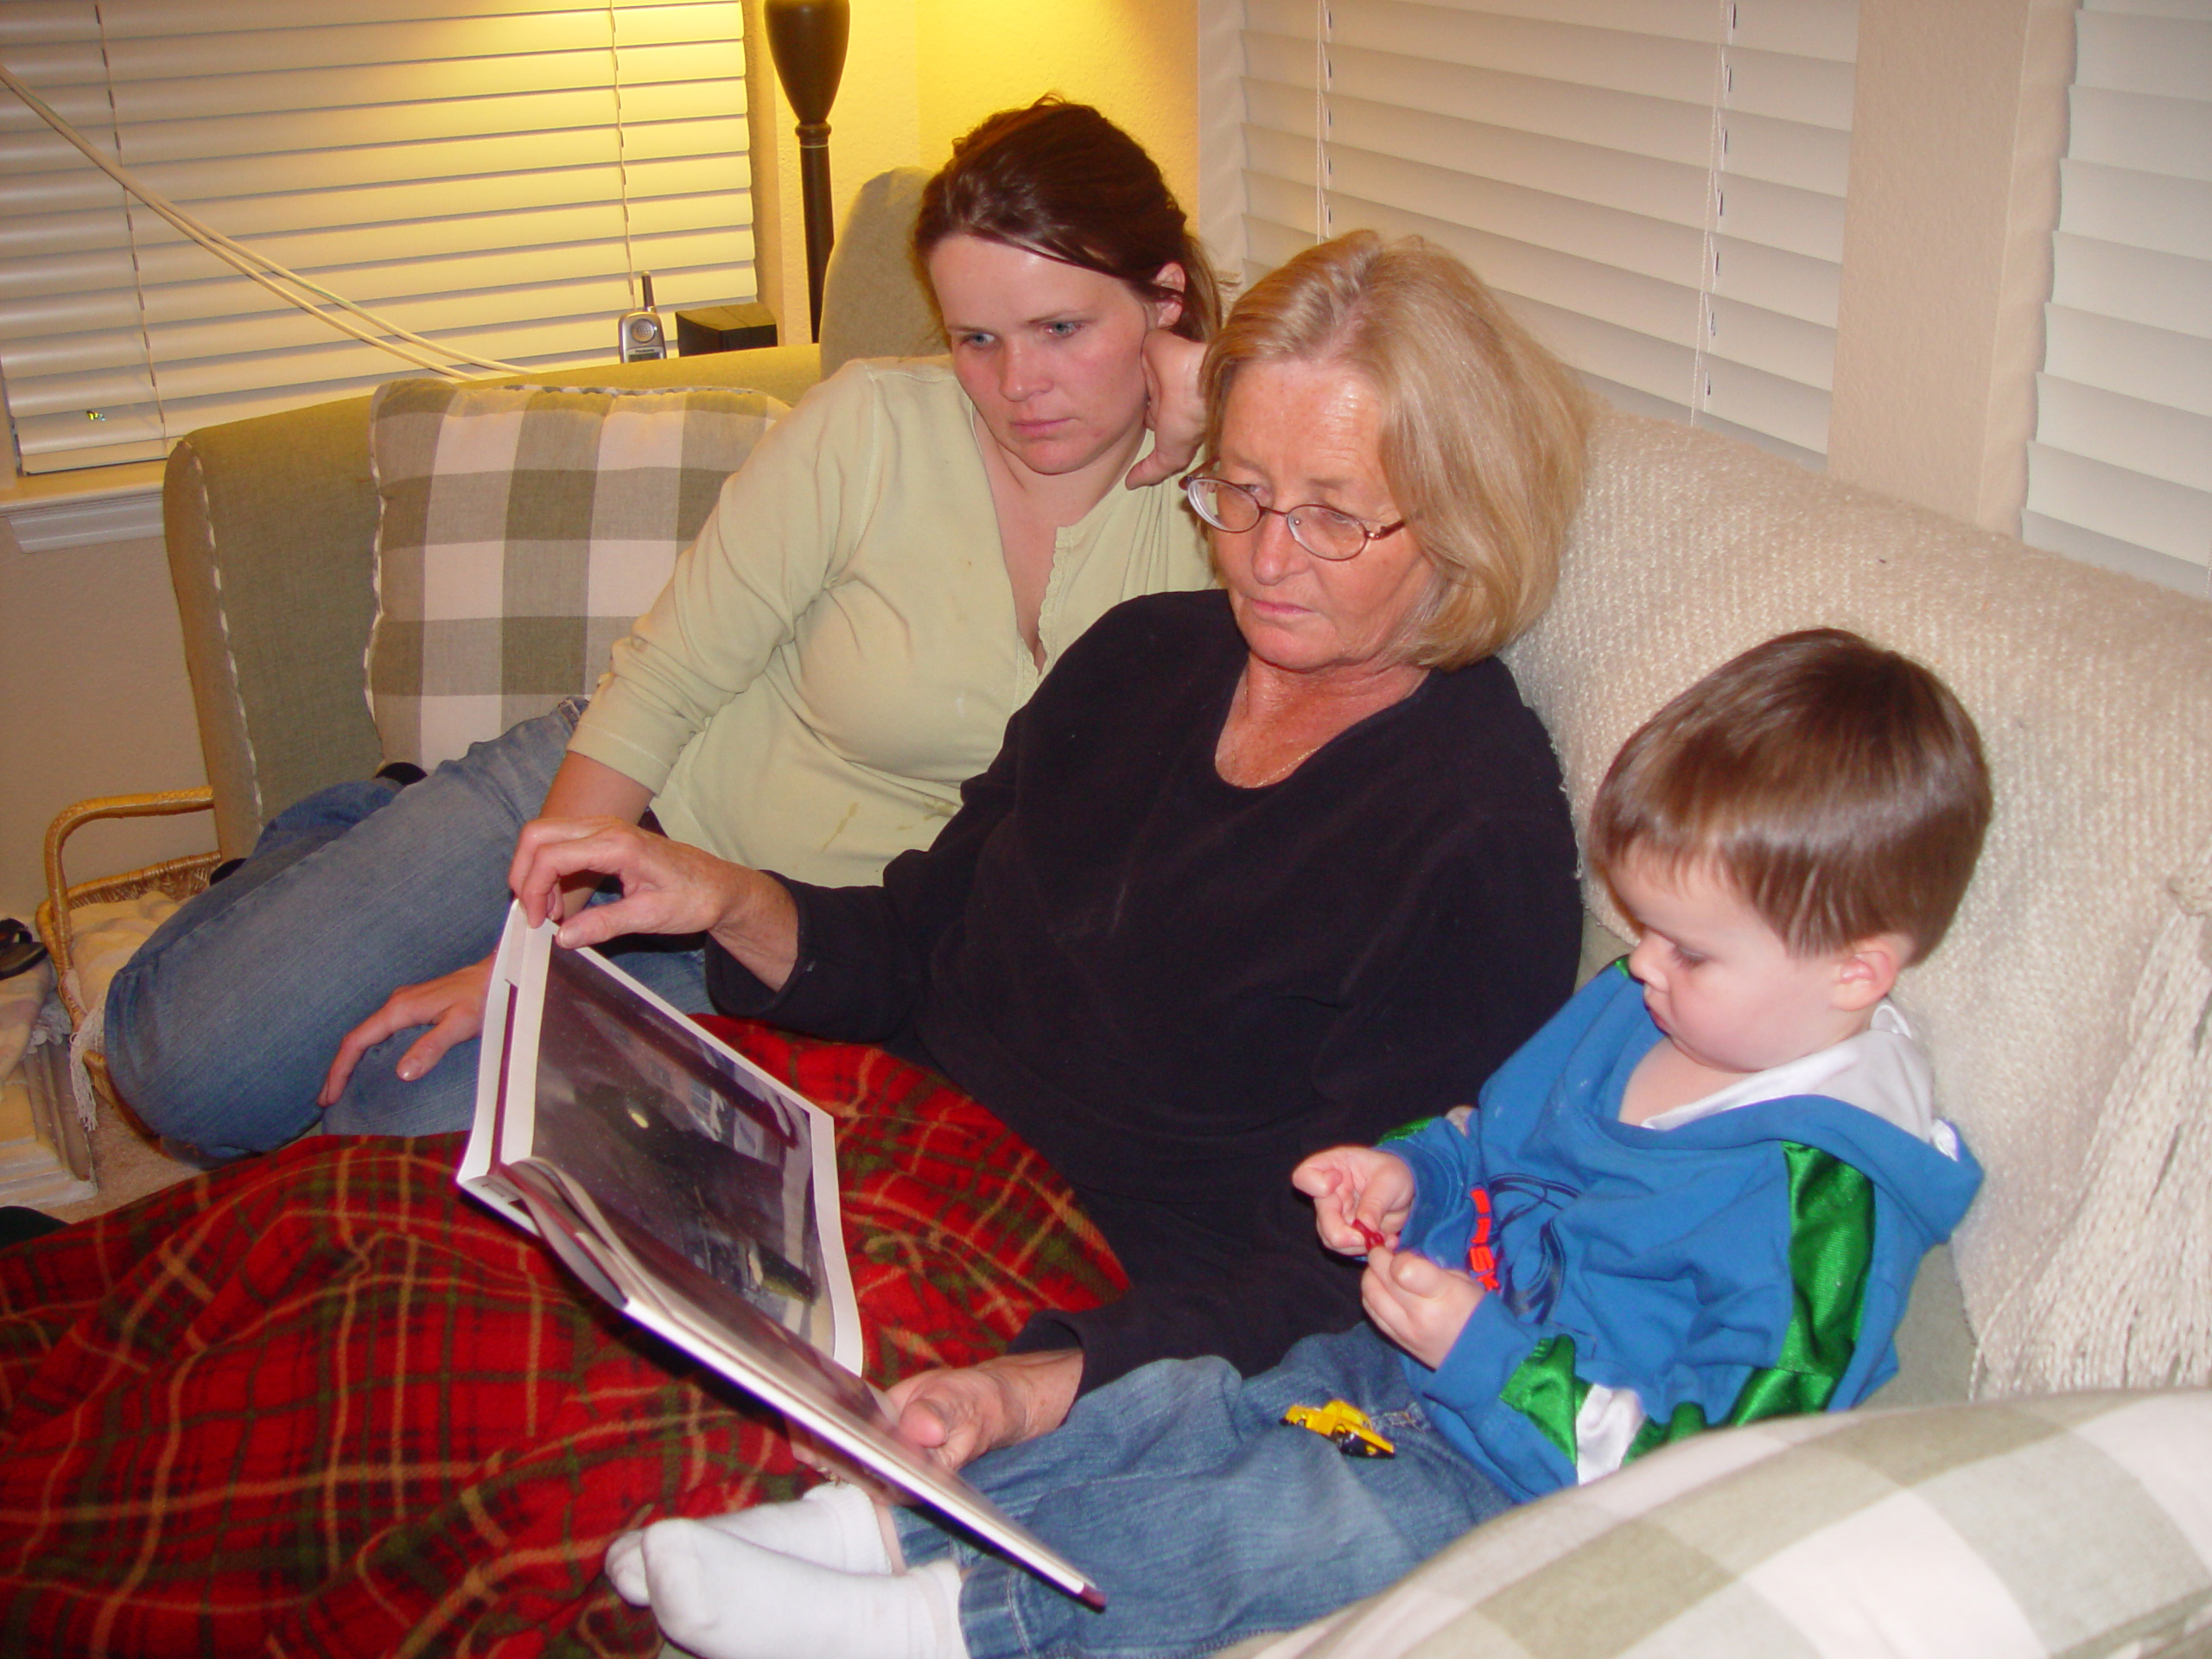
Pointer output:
x,y
1360,1194
1418,1304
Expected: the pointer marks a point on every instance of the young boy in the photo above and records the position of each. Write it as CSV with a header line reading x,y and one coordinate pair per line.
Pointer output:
x,y
1698,1196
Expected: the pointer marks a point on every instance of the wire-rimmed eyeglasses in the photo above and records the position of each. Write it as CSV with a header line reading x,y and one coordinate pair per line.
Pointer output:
x,y
1323,531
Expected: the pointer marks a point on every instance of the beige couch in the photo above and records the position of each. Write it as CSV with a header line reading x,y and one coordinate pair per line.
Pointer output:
x,y
2068,1015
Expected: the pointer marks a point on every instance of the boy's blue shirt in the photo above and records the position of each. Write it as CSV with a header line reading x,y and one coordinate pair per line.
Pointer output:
x,y
1741,1264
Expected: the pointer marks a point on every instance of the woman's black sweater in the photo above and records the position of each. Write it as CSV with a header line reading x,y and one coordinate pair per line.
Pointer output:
x,y
1175,988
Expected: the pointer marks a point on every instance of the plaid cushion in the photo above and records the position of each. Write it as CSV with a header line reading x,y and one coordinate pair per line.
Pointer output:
x,y
2078,1524
520,530
322,1404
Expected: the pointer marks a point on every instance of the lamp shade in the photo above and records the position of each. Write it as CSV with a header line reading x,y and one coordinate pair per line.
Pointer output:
x,y
807,40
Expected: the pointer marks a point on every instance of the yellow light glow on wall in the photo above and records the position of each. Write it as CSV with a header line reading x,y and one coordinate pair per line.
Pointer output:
x,y
1137,60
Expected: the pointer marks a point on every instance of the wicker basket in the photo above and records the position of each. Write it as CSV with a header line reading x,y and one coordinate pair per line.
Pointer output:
x,y
175,878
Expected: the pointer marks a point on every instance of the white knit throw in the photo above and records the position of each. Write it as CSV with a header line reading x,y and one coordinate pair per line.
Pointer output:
x,y
2125,1293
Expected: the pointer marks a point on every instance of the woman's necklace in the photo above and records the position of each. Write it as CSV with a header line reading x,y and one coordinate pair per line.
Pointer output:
x,y
1284,769
1243,733
1229,765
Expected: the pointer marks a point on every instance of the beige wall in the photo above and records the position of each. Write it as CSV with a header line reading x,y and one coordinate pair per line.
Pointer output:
x,y
94,701
1137,60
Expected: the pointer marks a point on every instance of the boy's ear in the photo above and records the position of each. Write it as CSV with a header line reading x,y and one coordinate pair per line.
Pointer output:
x,y
1867,969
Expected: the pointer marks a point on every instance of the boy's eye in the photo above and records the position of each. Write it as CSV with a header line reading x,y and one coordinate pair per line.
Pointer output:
x,y
972,340
1688,959
1062,329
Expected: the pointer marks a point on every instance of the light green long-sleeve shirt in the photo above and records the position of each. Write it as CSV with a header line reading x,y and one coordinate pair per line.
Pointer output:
x,y
838,651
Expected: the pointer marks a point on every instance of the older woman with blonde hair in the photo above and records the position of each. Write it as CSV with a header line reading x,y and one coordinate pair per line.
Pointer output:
x,y
1481,430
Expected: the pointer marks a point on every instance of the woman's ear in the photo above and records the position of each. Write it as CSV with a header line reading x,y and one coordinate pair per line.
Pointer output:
x,y
1166,313
1867,970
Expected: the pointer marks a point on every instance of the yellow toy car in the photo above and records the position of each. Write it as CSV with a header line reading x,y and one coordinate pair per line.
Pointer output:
x,y
1344,1425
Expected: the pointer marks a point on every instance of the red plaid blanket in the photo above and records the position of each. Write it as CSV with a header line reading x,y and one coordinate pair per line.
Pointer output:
x,y
320,1403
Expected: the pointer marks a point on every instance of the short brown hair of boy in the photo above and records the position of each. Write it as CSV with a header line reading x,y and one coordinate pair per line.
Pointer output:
x,y
1839,787
1484,432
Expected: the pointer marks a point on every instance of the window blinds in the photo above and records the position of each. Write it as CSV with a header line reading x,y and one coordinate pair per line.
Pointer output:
x,y
2121,463
1657,185
486,172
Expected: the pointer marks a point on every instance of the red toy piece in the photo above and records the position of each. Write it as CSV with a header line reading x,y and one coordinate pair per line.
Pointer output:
x,y
1480,1260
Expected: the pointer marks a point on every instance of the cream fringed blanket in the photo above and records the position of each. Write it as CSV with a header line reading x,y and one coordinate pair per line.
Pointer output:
x,y
2069,1012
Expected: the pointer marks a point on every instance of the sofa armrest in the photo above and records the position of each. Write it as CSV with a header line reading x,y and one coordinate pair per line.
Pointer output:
x,y
270,525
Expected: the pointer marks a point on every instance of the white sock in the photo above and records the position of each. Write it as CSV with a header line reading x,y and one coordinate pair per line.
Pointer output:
x,y
726,1597
832,1525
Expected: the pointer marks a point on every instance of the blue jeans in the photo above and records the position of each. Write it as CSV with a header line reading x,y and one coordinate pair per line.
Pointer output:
x,y
1203,1517
220,1027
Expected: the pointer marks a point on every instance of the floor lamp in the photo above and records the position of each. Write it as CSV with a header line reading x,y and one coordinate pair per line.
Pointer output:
x,y
807,40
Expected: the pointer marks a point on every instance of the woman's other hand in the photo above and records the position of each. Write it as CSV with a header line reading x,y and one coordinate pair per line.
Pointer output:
x,y
1172,407
668,887
451,1006
954,1416
1360,1195
1418,1304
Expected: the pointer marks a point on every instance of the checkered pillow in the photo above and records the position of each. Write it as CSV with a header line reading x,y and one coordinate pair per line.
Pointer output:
x,y
521,530
2078,1524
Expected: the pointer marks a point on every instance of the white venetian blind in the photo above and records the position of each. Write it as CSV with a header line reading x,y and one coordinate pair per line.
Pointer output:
x,y
1656,185
485,172
2122,463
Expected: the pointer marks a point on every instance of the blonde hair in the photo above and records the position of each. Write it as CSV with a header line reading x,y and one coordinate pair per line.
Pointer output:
x,y
1483,432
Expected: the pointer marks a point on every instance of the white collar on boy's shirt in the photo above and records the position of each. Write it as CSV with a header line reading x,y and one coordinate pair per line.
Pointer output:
x,y
1880,1071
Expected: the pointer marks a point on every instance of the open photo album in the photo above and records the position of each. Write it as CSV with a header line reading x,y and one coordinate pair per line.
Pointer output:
x,y
696,1193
